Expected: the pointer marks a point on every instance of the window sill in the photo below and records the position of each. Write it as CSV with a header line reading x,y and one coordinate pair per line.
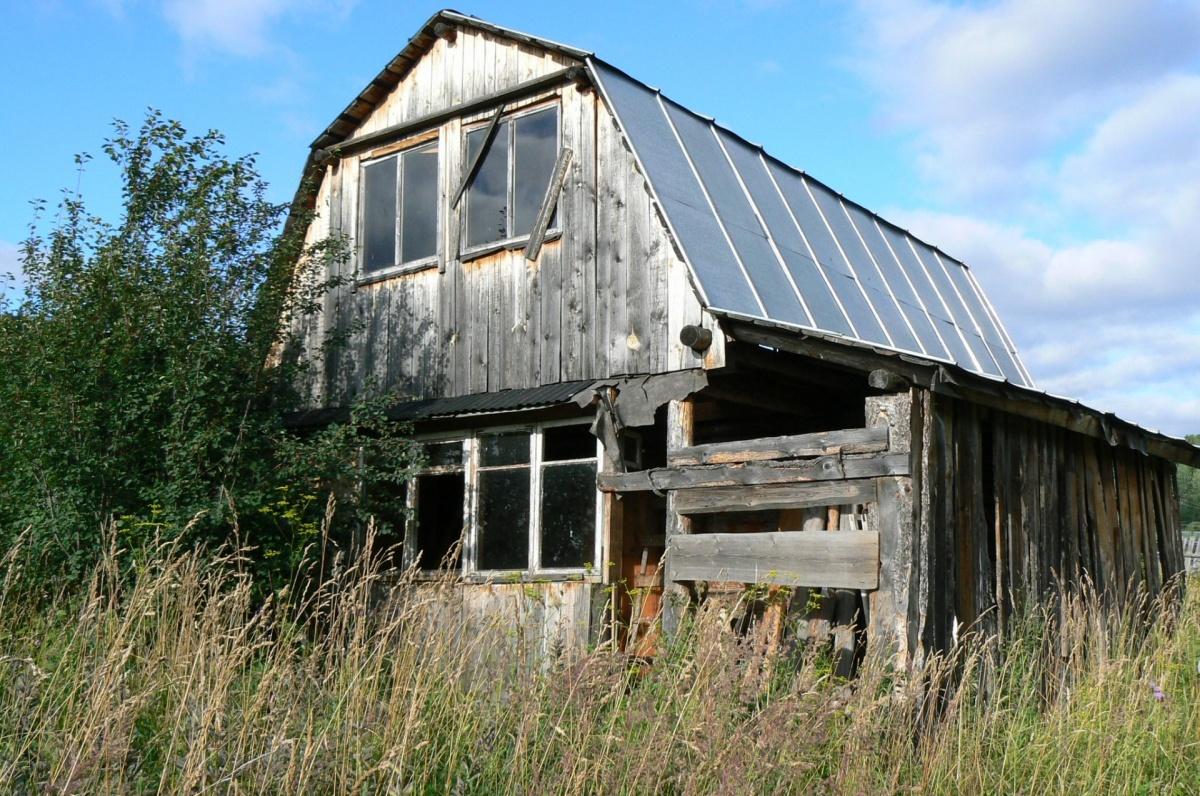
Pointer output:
x,y
512,244
391,271
501,578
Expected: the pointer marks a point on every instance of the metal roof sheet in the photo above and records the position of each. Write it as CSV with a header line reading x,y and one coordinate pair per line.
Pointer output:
x,y
765,240
486,402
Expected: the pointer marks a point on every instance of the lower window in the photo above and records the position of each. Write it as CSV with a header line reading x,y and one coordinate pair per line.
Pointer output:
x,y
520,500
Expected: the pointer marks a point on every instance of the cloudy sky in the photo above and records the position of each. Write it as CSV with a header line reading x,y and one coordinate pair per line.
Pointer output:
x,y
1054,147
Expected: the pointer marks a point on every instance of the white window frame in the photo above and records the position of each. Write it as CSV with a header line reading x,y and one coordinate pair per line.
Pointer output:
x,y
468,564
397,267
512,240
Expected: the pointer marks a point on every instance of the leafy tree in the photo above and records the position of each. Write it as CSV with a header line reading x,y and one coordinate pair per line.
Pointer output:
x,y
140,375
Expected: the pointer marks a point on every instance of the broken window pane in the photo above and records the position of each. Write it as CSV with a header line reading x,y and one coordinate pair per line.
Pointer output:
x,y
561,443
379,215
444,454
536,149
487,196
419,195
439,516
568,536
508,447
503,519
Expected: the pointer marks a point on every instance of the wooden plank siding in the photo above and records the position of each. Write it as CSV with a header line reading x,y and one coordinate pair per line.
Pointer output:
x,y
845,560
1011,509
606,295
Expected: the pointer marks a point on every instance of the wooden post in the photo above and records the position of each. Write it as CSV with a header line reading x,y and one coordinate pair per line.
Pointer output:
x,y
680,434
893,517
613,552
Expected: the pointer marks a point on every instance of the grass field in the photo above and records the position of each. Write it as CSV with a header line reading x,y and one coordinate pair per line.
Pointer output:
x,y
172,680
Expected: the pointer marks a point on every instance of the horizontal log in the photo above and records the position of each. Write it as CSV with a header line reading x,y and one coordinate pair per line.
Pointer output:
x,y
818,559
766,497
824,468
823,443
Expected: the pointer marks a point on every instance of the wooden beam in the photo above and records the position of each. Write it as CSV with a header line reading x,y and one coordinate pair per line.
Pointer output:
x,y
504,96
473,167
681,430
825,468
774,496
846,559
821,443
549,202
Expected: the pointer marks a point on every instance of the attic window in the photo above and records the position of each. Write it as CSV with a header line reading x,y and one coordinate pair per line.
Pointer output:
x,y
507,190
400,204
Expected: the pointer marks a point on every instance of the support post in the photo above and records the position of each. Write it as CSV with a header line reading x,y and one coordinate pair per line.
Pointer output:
x,y
680,434
892,515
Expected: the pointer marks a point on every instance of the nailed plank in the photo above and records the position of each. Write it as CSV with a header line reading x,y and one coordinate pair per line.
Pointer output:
x,y
847,559
825,468
681,429
824,443
538,236
774,496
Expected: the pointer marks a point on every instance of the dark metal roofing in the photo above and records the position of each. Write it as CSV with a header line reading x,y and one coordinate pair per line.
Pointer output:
x,y
765,240
485,402
457,406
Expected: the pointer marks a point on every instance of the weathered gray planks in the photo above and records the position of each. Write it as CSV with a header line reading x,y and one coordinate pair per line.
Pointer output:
x,y
846,559
774,496
825,468
824,443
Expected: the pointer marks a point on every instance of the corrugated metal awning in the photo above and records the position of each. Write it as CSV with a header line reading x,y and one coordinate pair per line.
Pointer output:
x,y
456,406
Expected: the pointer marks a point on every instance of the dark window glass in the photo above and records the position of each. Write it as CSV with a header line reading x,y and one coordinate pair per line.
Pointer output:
x,y
536,148
560,443
503,519
509,447
487,196
439,515
379,215
568,515
444,454
418,229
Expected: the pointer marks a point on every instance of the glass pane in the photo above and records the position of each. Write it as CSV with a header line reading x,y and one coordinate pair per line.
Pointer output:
x,y
568,515
504,519
444,454
536,150
418,230
379,215
439,517
568,442
509,447
487,196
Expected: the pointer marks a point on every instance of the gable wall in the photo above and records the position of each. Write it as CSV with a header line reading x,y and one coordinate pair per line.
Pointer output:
x,y
607,298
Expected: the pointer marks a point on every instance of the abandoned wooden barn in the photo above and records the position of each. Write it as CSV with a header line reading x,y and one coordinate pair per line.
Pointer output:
x,y
630,337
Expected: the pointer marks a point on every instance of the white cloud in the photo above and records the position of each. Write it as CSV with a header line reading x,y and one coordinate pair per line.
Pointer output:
x,y
988,87
1066,138
241,27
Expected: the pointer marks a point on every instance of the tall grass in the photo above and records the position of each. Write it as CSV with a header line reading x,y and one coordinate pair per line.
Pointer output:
x,y
175,679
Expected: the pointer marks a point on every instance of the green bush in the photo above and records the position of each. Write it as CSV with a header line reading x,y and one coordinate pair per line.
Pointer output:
x,y
139,375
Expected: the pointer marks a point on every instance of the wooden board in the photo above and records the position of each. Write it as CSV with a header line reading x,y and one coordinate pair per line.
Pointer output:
x,y
846,559
825,443
766,497
826,468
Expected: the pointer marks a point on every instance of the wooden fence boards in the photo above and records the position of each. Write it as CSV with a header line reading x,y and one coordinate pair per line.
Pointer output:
x,y
845,559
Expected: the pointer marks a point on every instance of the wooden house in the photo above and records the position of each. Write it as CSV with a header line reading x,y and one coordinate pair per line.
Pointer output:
x,y
644,353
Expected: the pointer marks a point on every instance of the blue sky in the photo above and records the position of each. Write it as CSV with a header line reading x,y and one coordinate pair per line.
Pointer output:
x,y
1055,147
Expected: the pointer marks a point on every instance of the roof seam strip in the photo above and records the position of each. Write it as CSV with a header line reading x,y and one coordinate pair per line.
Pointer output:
x,y
766,229
712,207
945,304
858,282
883,278
812,254
970,315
